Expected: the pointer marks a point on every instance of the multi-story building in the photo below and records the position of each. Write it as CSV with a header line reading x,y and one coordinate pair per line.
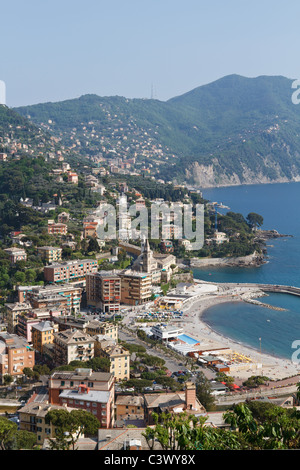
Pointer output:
x,y
72,177
26,321
32,418
16,254
50,253
12,312
69,271
167,246
129,407
43,333
90,229
135,287
185,401
96,327
65,297
85,389
97,402
63,217
15,355
72,345
70,322
57,228
103,290
119,359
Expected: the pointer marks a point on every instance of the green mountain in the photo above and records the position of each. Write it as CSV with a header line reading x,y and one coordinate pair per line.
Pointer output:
x,y
235,130
20,137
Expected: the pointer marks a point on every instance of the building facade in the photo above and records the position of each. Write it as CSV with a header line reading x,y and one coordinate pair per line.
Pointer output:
x,y
15,355
103,291
72,345
50,253
135,287
69,271
42,334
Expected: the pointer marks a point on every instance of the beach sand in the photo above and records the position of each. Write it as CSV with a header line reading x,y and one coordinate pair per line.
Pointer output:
x,y
273,367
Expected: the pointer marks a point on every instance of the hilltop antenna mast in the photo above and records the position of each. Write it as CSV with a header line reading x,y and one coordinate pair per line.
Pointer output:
x,y
152,94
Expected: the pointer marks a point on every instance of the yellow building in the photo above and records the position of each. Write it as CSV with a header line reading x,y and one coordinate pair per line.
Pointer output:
x,y
129,407
43,333
32,418
50,253
119,358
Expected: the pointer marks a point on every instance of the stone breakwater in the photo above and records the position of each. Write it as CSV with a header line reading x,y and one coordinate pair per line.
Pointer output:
x,y
261,304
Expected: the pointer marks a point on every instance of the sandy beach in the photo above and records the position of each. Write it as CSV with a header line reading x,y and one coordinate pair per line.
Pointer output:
x,y
273,367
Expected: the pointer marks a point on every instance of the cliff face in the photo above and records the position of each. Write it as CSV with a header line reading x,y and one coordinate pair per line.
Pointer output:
x,y
208,176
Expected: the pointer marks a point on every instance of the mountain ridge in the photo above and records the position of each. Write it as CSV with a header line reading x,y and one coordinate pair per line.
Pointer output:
x,y
235,130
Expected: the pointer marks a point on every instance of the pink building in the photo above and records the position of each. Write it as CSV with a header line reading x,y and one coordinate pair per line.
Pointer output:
x,y
16,254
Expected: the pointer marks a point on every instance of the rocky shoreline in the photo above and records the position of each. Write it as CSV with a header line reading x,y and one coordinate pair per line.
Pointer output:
x,y
254,260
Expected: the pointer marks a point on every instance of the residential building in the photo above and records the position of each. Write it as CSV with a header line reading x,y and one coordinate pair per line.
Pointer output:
x,y
12,312
63,217
64,297
177,402
72,345
50,253
135,287
96,327
42,334
62,380
103,291
57,228
85,389
32,418
99,403
72,177
167,246
15,355
26,321
70,322
69,271
16,254
129,407
90,229
119,359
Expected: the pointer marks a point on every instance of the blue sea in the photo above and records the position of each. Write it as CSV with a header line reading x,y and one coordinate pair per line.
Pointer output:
x,y
246,323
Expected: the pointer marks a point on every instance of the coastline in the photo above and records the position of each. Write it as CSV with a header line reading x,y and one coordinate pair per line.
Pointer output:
x,y
274,367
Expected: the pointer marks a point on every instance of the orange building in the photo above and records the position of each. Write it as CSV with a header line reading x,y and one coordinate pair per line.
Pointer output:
x,y
15,355
57,229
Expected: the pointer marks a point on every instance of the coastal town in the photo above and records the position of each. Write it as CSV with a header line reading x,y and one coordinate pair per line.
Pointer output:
x,y
113,327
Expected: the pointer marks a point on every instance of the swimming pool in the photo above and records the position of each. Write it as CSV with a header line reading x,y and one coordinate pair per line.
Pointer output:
x,y
187,339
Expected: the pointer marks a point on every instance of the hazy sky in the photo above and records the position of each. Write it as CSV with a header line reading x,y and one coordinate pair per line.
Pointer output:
x,y
56,50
